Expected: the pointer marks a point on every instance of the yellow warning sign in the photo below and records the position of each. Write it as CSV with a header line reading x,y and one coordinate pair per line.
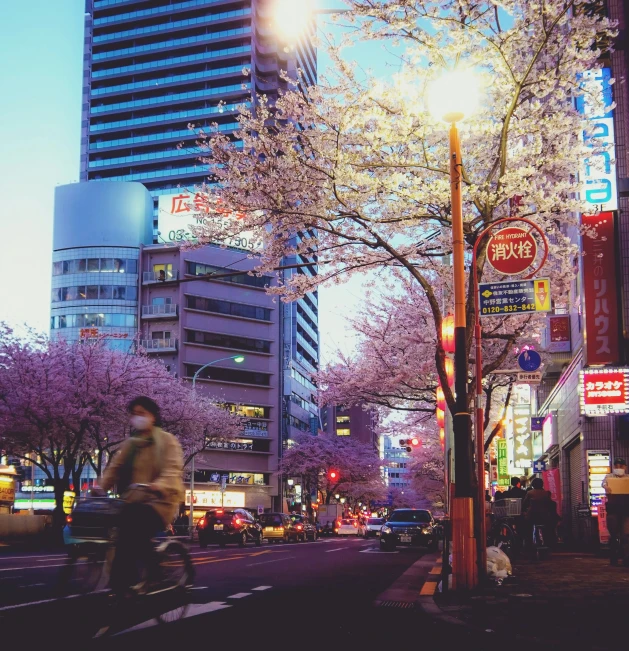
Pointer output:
x,y
542,295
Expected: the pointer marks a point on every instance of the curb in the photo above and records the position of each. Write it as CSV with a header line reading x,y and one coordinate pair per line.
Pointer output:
x,y
426,600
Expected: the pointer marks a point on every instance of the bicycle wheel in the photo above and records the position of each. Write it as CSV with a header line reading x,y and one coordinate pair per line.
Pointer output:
x,y
177,578
83,572
505,538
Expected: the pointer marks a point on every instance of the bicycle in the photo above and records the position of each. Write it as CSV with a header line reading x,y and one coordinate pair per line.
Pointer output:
x,y
503,531
165,596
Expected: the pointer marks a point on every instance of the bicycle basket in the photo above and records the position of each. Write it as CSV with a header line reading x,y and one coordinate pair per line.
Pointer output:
x,y
508,507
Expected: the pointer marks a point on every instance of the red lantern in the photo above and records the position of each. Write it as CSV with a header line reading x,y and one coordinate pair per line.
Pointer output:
x,y
440,417
441,399
442,437
447,333
450,371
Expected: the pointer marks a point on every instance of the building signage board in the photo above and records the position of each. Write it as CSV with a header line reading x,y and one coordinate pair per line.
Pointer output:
x,y
529,378
558,333
598,172
179,213
549,437
602,332
552,483
604,391
203,498
502,462
511,250
598,467
522,437
514,297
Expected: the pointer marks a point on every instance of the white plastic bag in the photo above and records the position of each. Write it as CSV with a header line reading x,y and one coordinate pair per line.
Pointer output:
x,y
498,563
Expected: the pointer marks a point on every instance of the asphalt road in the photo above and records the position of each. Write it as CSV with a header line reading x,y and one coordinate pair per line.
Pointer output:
x,y
326,594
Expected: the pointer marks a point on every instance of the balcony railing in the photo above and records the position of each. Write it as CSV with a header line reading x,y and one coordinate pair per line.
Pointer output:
x,y
159,276
159,345
169,310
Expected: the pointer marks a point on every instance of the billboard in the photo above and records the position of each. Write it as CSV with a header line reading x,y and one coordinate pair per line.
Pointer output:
x,y
178,213
604,391
558,333
602,332
598,171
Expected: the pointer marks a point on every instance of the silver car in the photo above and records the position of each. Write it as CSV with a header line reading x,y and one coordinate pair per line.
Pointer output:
x,y
372,527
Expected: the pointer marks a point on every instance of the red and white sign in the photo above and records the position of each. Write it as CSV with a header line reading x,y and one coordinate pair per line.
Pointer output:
x,y
511,250
601,294
559,333
604,391
552,483
603,531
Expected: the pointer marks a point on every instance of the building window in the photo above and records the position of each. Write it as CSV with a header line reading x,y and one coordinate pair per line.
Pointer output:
x,y
93,292
93,320
227,341
228,308
95,265
161,300
163,271
299,424
250,411
229,375
342,419
198,269
342,431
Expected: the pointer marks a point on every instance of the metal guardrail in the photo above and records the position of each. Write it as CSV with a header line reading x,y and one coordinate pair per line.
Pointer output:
x,y
157,345
159,276
160,310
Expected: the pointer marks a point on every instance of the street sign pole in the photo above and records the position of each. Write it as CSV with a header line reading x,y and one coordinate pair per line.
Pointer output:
x,y
479,419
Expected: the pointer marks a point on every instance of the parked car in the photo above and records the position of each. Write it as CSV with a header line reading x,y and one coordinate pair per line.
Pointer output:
x,y
409,527
301,523
347,527
223,526
279,526
372,527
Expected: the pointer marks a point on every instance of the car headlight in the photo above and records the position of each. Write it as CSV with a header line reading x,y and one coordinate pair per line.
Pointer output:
x,y
385,530
425,531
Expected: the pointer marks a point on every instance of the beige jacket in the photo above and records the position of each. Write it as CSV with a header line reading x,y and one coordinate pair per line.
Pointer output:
x,y
158,460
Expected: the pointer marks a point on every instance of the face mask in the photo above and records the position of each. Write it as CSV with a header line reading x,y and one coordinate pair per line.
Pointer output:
x,y
140,423
619,472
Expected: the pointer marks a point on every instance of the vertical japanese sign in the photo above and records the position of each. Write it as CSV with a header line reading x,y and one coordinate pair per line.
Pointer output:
x,y
552,483
522,437
601,293
603,531
503,462
598,172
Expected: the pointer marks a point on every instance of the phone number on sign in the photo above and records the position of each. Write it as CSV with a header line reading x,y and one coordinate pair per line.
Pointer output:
x,y
181,235
501,309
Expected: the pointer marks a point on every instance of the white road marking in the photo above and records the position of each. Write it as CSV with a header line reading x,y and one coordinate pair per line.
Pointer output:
x,y
48,601
277,560
374,550
32,567
193,611
32,585
239,595
201,587
339,549
27,558
263,587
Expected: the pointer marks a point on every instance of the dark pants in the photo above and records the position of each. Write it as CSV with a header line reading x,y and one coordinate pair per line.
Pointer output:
x,y
617,542
138,523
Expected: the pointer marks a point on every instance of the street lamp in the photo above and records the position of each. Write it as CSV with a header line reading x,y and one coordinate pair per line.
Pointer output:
x,y
452,98
239,359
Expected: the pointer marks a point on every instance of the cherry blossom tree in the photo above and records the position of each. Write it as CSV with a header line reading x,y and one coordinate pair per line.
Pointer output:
x,y
358,467
355,170
64,405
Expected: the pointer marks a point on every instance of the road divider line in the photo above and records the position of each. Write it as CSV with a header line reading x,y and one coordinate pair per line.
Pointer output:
x,y
339,549
263,587
28,558
240,595
277,560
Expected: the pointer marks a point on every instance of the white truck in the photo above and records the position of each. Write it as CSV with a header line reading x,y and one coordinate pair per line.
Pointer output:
x,y
327,515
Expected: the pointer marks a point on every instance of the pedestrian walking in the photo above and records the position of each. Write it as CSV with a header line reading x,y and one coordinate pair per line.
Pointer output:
x,y
616,485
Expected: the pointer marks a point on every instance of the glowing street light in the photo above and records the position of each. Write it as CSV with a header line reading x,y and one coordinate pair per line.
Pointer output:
x,y
453,97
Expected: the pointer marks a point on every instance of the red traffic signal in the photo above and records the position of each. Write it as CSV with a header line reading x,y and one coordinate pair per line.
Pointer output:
x,y
415,441
333,475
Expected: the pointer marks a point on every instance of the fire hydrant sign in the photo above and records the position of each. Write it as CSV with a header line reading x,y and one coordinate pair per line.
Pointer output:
x,y
511,250
514,297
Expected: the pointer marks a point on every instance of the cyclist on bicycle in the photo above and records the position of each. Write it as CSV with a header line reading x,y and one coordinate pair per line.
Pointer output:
x,y
153,458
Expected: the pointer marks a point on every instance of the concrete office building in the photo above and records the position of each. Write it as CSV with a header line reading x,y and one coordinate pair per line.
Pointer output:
x,y
355,422
189,323
98,230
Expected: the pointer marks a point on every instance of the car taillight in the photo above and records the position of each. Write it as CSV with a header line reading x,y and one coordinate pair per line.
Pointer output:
x,y
299,527
356,525
237,521
69,519
202,523
219,513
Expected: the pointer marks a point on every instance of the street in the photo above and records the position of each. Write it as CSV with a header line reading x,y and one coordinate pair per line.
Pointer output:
x,y
323,591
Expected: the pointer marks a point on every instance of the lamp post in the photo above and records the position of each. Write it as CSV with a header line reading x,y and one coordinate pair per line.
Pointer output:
x,y
239,359
452,98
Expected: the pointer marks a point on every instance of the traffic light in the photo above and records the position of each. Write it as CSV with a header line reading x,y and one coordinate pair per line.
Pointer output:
x,y
333,475
409,444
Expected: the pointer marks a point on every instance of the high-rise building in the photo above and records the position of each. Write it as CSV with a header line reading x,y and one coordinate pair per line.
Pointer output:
x,y
152,68
355,422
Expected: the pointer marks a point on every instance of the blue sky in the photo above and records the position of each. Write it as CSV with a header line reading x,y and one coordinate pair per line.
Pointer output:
x,y
40,87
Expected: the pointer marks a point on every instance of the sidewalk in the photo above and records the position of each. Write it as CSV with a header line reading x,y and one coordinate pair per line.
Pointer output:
x,y
576,600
